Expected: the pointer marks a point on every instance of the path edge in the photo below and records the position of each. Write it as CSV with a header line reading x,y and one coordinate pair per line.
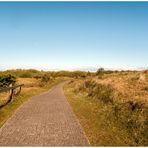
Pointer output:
x,y
77,120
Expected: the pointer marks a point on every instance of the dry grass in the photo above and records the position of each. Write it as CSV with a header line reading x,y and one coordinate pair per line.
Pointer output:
x,y
113,108
4,97
131,85
28,82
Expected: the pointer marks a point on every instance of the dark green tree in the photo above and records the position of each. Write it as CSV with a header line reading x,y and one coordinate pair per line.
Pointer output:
x,y
6,80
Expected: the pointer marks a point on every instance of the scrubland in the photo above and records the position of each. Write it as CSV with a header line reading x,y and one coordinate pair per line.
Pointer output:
x,y
112,107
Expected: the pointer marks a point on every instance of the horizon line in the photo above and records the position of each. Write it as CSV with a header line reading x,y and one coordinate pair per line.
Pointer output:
x,y
85,68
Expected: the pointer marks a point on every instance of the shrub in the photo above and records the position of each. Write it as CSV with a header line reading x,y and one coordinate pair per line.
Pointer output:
x,y
45,79
6,80
100,91
79,74
100,71
103,93
132,117
23,73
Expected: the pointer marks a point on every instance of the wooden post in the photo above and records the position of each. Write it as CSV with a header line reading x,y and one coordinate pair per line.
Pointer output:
x,y
20,88
11,96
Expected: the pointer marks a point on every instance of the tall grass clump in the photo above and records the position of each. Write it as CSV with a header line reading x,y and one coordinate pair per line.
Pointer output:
x,y
101,92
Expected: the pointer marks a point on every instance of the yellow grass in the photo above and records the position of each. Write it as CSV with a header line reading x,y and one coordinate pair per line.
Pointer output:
x,y
133,86
28,82
4,97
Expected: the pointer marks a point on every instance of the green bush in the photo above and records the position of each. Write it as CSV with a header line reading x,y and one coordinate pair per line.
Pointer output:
x,y
6,80
44,80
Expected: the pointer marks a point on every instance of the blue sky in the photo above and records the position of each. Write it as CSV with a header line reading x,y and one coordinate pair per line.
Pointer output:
x,y
67,35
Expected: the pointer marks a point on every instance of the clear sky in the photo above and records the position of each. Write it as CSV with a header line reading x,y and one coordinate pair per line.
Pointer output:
x,y
50,35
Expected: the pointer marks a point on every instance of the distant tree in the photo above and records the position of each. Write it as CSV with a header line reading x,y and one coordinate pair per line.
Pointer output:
x,y
100,71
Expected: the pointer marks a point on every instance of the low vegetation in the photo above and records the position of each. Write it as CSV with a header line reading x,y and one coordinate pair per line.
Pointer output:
x,y
35,82
112,107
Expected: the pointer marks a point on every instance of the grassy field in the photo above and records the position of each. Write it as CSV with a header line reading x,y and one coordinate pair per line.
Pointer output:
x,y
112,108
31,88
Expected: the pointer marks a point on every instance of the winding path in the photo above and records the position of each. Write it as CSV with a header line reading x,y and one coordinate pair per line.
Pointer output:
x,y
45,120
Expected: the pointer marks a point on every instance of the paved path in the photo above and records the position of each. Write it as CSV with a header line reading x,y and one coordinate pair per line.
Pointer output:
x,y
45,120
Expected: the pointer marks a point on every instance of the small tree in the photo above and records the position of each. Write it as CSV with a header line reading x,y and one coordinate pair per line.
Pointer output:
x,y
100,71
6,80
